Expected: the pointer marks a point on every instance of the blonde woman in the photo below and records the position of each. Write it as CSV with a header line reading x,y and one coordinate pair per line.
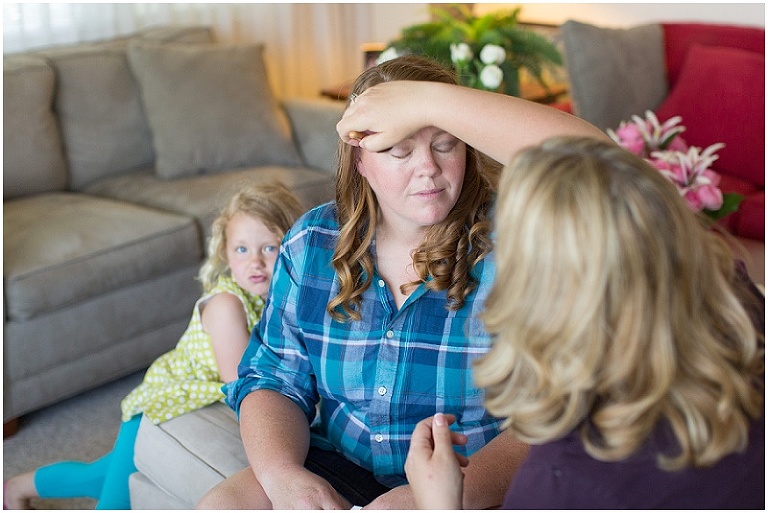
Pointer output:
x,y
628,347
244,243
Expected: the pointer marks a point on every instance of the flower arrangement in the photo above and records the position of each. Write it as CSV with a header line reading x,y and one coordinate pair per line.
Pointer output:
x,y
687,167
487,52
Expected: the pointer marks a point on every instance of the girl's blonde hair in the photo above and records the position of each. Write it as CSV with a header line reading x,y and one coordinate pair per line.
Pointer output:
x,y
615,309
272,203
450,248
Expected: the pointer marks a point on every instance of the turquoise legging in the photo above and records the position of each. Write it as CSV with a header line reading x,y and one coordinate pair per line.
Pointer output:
x,y
105,480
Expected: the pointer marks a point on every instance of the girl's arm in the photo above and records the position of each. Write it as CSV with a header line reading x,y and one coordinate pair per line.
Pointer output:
x,y
498,125
225,321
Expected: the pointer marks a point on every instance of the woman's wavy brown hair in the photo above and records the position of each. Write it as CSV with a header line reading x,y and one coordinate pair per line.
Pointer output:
x,y
450,248
615,309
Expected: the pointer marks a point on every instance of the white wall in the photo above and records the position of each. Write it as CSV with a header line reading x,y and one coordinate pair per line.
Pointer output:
x,y
626,14
388,19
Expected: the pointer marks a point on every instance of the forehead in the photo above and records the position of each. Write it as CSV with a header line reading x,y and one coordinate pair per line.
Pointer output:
x,y
427,133
242,225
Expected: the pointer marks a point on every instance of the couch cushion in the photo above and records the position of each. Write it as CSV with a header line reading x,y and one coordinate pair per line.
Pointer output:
x,y
33,159
210,108
750,222
205,443
720,95
60,249
203,196
102,121
614,73
680,37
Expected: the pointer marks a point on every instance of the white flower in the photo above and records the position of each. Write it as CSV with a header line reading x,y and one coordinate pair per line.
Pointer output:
x,y
491,77
387,55
493,54
460,52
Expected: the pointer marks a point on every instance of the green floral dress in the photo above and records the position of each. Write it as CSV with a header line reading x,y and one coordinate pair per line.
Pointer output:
x,y
186,378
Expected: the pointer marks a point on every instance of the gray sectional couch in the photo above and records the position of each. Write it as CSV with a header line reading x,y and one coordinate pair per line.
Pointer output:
x,y
116,157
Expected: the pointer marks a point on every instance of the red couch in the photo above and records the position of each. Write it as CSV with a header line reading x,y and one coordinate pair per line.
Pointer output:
x,y
711,75
716,77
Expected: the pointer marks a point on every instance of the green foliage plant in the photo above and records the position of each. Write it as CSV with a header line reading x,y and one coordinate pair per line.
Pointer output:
x,y
525,49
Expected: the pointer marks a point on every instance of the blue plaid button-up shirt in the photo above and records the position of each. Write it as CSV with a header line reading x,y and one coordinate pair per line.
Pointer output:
x,y
377,377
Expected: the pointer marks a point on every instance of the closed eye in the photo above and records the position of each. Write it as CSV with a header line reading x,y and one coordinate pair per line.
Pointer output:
x,y
445,146
401,151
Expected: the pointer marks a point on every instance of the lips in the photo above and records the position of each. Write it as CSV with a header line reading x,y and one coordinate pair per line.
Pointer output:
x,y
429,193
257,278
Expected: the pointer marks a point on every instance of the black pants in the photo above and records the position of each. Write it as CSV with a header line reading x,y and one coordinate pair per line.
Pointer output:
x,y
353,482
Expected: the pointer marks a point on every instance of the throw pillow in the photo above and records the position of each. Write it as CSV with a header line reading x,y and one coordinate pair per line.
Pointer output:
x,y
98,105
614,73
210,108
720,95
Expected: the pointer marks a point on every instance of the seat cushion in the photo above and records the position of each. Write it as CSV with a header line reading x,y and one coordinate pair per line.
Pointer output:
x,y
60,249
205,443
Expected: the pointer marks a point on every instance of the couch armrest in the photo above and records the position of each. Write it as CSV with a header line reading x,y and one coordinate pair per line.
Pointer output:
x,y
313,121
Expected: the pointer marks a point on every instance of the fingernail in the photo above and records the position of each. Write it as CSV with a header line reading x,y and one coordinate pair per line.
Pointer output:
x,y
439,419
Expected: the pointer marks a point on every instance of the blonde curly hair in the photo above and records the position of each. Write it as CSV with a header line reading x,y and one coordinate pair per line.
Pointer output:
x,y
615,309
450,248
272,203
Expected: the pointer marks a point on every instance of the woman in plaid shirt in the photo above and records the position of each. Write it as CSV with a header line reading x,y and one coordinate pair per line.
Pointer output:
x,y
373,311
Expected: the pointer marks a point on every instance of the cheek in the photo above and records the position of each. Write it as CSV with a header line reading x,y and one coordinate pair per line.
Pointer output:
x,y
269,262
453,168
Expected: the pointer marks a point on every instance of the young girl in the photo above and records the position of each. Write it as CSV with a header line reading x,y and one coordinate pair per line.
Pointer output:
x,y
242,250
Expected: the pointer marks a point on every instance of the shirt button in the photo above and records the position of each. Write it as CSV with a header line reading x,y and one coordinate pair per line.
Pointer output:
x,y
390,334
379,437
381,283
382,390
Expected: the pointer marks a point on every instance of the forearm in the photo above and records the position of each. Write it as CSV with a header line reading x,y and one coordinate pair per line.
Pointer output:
x,y
498,125
490,471
275,434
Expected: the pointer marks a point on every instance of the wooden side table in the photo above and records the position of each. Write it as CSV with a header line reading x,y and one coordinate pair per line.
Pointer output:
x,y
529,90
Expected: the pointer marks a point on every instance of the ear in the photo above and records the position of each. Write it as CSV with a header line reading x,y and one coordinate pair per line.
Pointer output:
x,y
359,167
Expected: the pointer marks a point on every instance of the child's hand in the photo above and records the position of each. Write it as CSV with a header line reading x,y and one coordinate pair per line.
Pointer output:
x,y
432,467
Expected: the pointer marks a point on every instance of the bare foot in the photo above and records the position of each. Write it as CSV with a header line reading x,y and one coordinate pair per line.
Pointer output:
x,y
18,490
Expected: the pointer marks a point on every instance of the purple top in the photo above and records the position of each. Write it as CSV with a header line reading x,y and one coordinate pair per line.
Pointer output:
x,y
561,475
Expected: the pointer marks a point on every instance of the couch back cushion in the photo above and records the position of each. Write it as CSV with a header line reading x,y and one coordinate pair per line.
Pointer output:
x,y
680,37
614,73
720,94
210,108
102,121
33,159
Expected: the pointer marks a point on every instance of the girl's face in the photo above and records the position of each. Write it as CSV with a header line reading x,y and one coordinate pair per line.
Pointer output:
x,y
418,181
251,253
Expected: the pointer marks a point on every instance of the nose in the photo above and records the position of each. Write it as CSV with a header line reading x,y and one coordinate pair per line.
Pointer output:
x,y
257,260
426,164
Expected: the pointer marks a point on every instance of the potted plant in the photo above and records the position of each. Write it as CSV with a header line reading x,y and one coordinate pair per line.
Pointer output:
x,y
487,52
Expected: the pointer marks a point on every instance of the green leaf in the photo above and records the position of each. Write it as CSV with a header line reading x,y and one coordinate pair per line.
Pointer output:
x,y
526,49
731,202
